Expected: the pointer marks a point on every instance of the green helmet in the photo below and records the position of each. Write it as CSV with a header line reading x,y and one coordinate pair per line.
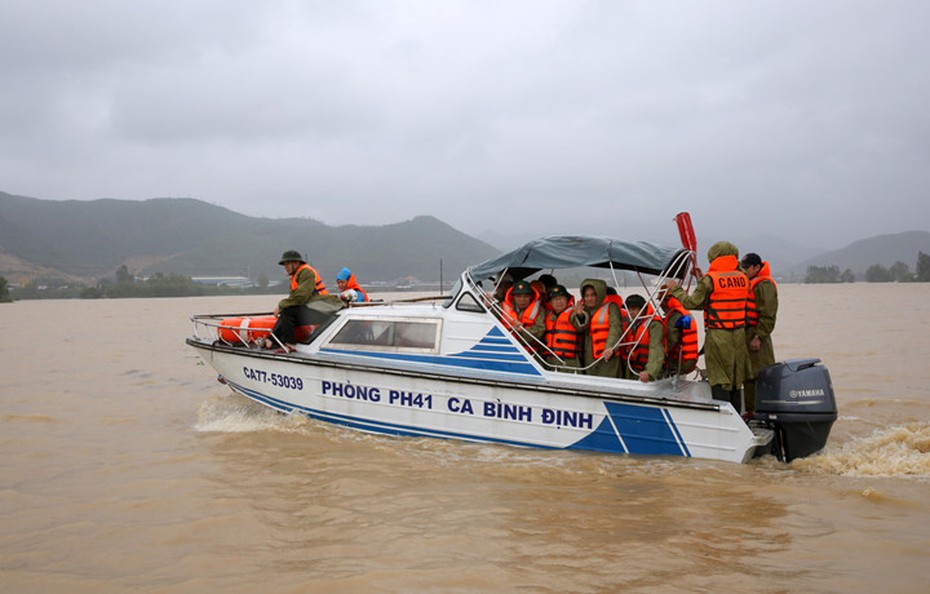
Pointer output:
x,y
292,256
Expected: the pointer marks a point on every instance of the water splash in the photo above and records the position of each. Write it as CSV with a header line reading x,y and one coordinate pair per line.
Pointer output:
x,y
902,451
236,414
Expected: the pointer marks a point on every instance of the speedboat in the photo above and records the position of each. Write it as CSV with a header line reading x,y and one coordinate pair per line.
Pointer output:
x,y
449,367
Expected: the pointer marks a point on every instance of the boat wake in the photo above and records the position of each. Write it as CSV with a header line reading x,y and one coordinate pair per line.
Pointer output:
x,y
902,451
236,414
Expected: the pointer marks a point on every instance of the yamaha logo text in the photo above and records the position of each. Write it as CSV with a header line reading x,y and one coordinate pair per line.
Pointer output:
x,y
806,393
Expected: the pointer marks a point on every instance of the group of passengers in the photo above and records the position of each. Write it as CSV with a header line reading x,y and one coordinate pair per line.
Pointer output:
x,y
605,335
600,334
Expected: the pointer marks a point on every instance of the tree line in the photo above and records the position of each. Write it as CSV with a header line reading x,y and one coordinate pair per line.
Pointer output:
x,y
126,284
876,273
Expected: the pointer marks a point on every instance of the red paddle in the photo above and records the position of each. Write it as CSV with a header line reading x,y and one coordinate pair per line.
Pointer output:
x,y
688,240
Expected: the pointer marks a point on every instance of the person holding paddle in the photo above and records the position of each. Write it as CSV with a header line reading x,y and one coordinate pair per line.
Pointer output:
x,y
723,294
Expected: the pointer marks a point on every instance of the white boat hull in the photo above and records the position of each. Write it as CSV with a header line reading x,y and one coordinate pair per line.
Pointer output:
x,y
547,414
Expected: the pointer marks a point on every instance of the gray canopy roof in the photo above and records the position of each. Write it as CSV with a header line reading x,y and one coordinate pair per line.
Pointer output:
x,y
572,251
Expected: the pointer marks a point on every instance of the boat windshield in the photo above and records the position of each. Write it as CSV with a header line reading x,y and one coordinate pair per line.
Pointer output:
x,y
456,288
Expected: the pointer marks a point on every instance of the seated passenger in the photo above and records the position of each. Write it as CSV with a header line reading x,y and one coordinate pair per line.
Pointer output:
x,y
307,304
561,336
523,311
543,293
648,353
599,322
548,281
681,337
349,289
503,286
623,349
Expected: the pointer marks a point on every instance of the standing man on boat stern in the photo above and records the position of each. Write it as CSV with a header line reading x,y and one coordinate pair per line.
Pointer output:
x,y
760,324
723,294
306,288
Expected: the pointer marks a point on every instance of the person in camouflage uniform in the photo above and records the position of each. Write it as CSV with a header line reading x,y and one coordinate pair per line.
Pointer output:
x,y
308,302
761,322
723,294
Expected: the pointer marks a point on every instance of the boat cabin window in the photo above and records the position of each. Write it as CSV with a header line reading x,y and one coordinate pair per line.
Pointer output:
x,y
467,302
388,335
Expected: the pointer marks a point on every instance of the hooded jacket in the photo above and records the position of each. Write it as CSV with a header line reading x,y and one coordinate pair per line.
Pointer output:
x,y
601,327
725,352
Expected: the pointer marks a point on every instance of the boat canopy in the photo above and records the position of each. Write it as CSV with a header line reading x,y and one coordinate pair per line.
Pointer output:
x,y
574,251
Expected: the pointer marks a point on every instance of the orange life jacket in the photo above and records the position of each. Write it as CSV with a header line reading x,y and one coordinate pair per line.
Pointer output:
x,y
687,345
729,297
623,349
320,287
527,317
616,299
561,336
353,284
639,358
752,313
599,329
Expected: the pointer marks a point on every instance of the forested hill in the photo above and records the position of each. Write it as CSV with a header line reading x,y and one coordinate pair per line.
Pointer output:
x,y
883,250
91,239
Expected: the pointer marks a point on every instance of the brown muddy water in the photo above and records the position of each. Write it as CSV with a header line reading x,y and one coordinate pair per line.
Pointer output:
x,y
127,467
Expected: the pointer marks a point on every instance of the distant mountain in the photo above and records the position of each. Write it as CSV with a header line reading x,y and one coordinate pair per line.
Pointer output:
x,y
781,254
91,239
884,250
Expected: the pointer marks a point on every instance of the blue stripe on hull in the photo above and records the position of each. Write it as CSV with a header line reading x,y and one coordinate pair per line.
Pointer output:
x,y
627,428
517,365
602,439
632,429
371,426
494,352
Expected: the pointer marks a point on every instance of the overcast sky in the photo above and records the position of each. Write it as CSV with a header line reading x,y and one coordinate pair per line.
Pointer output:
x,y
808,120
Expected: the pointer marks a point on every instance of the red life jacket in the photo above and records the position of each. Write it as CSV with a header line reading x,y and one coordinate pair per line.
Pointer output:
x,y
320,287
752,313
727,307
687,345
639,358
561,336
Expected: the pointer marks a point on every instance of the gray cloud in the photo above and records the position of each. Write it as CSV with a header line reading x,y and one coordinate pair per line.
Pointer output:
x,y
805,120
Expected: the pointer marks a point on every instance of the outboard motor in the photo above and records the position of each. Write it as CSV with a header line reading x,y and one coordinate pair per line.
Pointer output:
x,y
795,398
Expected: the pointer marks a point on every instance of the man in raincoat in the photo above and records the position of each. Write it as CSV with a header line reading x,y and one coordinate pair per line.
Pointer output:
x,y
308,302
723,294
599,322
761,321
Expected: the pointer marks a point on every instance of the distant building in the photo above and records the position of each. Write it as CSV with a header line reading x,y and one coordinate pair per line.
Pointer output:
x,y
229,281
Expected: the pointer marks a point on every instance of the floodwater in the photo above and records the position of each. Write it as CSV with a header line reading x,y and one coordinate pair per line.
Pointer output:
x,y
126,467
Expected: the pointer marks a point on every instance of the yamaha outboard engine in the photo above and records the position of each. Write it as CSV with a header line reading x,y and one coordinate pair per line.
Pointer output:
x,y
795,398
